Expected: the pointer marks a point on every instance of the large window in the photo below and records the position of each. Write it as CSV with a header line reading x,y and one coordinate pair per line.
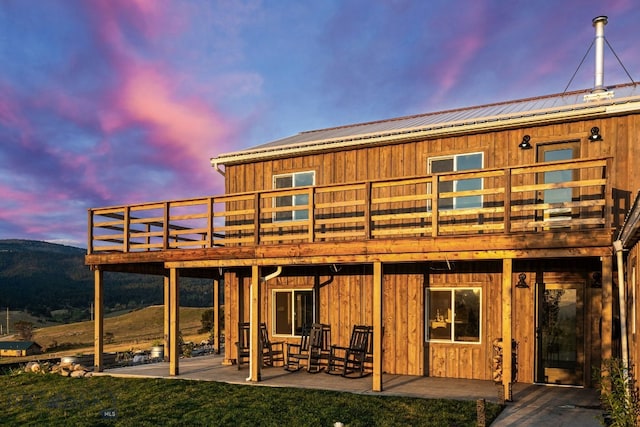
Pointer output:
x,y
298,179
453,315
455,163
292,310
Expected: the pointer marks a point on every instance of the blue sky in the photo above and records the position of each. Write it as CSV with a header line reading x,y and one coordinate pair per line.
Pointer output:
x,y
110,102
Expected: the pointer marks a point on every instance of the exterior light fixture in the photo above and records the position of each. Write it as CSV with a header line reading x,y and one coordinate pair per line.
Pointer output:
x,y
522,281
596,280
525,144
595,134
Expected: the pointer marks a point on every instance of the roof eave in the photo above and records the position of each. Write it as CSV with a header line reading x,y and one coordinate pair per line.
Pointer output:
x,y
480,124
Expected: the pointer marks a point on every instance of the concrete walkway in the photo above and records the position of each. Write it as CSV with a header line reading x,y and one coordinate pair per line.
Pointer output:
x,y
533,405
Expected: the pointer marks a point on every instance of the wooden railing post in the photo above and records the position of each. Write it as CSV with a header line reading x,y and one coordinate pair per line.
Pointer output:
x,y
165,227
507,200
90,232
434,205
209,237
312,214
126,229
256,219
607,210
367,210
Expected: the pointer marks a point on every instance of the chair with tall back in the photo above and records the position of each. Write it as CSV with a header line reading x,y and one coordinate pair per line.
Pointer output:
x,y
351,361
242,345
297,353
272,351
319,347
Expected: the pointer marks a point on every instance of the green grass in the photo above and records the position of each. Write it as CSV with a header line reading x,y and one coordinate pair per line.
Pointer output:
x,y
35,399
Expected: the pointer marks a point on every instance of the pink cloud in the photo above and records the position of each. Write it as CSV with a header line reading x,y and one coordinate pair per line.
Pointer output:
x,y
185,129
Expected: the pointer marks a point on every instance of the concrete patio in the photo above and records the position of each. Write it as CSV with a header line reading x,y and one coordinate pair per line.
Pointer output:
x,y
533,405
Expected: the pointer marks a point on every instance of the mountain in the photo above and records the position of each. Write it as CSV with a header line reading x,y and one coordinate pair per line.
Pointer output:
x,y
51,280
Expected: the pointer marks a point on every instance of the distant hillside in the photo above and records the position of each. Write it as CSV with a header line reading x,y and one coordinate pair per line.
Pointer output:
x,y
51,280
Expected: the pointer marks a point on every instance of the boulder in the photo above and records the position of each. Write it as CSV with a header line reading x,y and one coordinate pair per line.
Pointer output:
x,y
77,374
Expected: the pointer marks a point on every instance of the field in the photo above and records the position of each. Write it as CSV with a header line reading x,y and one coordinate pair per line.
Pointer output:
x,y
136,330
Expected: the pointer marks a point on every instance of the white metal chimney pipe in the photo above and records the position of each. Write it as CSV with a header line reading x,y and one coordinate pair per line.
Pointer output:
x,y
599,23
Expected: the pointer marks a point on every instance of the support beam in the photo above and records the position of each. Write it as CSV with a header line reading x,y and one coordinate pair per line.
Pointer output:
x,y
607,308
507,367
216,315
254,330
174,322
98,333
377,326
167,307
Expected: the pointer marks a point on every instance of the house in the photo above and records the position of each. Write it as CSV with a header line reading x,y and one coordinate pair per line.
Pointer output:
x,y
452,233
19,348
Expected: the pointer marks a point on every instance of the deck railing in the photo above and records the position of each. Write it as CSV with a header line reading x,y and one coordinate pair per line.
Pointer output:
x,y
567,195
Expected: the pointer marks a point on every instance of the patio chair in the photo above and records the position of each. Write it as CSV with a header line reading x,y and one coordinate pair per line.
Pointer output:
x,y
298,352
243,343
350,361
272,351
319,347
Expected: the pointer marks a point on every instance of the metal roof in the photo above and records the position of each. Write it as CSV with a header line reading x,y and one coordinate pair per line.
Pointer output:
x,y
522,112
17,345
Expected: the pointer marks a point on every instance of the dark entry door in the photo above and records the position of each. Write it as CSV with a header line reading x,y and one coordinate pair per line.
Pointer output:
x,y
560,334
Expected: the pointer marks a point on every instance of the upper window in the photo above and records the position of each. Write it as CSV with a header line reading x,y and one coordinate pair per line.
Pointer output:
x,y
453,315
298,179
292,311
458,162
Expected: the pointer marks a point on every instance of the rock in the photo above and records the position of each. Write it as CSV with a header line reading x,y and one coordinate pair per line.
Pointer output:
x,y
77,374
64,372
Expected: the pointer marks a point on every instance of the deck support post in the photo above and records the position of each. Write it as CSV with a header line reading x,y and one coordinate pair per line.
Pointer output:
x,y
174,322
507,365
166,327
607,308
216,315
377,326
98,334
254,328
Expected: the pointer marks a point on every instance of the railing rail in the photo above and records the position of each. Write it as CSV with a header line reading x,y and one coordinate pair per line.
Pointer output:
x,y
514,199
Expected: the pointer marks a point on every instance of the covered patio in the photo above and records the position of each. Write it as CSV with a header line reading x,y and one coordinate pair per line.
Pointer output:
x,y
532,404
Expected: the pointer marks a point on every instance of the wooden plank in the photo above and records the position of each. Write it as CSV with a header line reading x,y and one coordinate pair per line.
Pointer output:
x,y
377,326
341,220
348,203
98,330
507,367
174,322
254,328
409,215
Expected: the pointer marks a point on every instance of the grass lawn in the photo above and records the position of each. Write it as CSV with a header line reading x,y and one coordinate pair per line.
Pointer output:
x,y
36,399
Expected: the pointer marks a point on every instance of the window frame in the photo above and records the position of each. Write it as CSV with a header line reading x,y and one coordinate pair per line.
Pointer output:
x,y
452,335
274,316
293,213
455,158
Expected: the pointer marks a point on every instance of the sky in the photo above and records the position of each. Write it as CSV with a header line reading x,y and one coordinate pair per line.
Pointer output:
x,y
112,102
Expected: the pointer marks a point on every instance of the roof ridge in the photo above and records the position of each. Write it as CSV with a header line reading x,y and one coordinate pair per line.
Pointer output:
x,y
469,108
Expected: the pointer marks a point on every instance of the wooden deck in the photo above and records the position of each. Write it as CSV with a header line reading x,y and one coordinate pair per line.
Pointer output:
x,y
399,219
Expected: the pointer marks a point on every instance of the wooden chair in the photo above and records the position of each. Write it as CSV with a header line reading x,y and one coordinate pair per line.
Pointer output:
x,y
298,352
350,361
272,351
319,347
242,345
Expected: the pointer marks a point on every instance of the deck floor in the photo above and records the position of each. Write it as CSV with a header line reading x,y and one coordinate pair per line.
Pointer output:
x,y
532,405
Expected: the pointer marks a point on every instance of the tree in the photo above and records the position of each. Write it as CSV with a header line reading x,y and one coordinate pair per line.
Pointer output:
x,y
24,329
207,321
